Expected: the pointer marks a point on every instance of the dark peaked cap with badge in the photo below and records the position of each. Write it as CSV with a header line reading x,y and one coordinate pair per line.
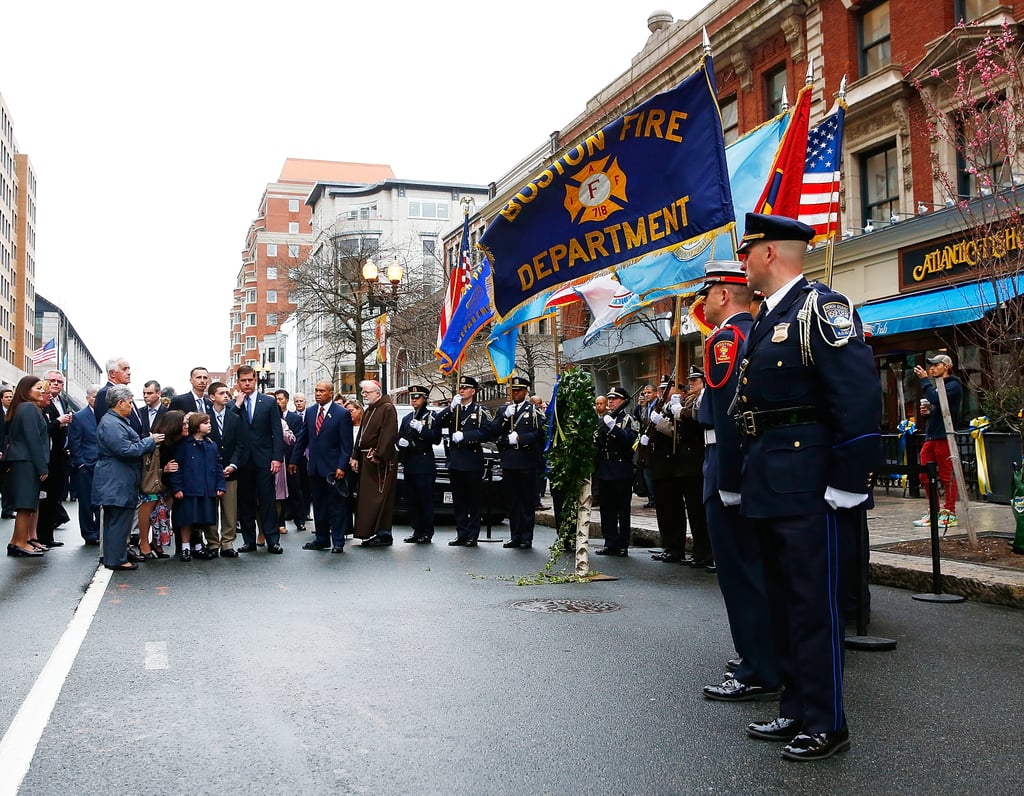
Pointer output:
x,y
718,272
762,228
468,381
695,373
519,383
417,391
618,392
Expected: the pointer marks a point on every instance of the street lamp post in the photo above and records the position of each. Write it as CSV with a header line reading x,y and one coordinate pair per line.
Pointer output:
x,y
381,300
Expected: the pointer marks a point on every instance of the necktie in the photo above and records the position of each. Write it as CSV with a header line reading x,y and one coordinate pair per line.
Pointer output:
x,y
152,417
248,407
200,405
319,420
220,424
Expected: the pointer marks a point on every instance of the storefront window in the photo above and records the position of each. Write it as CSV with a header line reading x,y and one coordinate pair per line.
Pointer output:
x,y
879,183
875,45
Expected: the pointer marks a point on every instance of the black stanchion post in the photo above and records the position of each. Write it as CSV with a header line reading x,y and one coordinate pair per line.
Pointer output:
x,y
933,513
862,641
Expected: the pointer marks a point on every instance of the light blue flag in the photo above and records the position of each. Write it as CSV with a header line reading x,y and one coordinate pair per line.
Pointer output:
x,y
473,311
681,269
501,344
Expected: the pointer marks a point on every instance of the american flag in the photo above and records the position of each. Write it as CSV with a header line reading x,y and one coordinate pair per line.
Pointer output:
x,y
819,196
457,282
45,353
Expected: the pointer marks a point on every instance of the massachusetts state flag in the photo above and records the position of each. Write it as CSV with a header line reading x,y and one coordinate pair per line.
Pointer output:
x,y
45,353
819,197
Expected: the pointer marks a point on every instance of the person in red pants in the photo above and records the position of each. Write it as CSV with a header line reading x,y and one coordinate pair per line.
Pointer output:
x,y
936,446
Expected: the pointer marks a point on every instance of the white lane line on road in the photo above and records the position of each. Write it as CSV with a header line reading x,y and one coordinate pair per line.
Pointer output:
x,y
156,655
18,746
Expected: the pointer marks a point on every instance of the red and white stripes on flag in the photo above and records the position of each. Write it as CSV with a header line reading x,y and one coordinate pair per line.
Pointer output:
x,y
458,281
819,195
45,353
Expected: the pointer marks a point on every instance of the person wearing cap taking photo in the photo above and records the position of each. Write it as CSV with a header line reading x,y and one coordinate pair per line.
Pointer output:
x,y
615,437
519,432
754,674
416,440
936,444
469,424
809,407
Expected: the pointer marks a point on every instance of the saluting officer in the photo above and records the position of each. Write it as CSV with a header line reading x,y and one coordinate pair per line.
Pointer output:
x,y
665,465
469,424
615,472
416,440
809,407
519,432
689,442
755,674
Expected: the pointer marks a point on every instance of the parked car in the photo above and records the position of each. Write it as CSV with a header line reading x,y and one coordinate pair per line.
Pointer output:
x,y
495,503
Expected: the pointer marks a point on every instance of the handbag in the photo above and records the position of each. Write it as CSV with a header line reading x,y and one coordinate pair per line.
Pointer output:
x,y
152,475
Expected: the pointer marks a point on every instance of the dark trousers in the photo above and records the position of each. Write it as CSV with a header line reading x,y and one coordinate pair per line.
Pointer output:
x,y
521,489
693,495
51,507
419,503
615,512
330,512
670,509
294,506
88,514
116,524
256,493
305,496
737,552
467,501
802,566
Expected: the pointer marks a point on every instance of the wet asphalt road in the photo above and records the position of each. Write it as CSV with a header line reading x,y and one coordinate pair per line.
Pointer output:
x,y
408,670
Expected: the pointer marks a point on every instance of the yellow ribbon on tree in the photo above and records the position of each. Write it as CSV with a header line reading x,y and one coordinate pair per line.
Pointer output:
x,y
978,428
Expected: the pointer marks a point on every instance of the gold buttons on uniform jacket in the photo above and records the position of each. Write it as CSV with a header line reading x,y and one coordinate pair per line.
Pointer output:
x,y
744,379
778,364
796,444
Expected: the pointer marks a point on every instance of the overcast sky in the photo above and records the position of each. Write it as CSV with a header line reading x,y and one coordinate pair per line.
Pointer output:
x,y
154,129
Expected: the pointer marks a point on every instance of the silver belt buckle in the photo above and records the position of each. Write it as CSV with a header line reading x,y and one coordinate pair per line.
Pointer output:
x,y
749,424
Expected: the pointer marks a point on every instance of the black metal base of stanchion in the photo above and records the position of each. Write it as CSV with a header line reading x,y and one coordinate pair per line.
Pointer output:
x,y
869,643
483,541
939,598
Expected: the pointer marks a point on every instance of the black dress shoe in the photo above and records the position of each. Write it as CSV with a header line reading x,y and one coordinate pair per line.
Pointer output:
x,y
247,548
229,553
185,554
525,545
698,563
276,549
471,543
206,554
817,745
671,558
712,568
732,690
415,539
8,515
458,543
92,542
733,664
53,543
337,549
780,729
299,527
377,541
315,546
606,551
508,545
125,567
134,557
20,552
423,540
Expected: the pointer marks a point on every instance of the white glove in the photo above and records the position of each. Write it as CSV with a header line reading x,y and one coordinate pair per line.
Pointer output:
x,y
645,440
608,420
403,442
838,499
729,498
415,425
513,438
656,417
674,400
510,410
456,401
457,437
675,409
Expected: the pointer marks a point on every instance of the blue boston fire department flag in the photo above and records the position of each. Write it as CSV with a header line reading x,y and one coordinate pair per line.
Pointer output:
x,y
650,180
472,312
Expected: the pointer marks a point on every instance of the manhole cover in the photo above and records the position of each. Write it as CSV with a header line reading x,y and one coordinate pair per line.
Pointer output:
x,y
567,606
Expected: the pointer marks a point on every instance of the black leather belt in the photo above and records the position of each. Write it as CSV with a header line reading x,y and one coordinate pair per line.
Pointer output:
x,y
753,424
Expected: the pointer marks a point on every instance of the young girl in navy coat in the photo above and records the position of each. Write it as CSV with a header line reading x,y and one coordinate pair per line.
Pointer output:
x,y
198,482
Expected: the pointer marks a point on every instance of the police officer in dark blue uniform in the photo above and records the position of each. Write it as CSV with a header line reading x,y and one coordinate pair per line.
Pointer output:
x,y
735,542
809,408
615,437
519,431
416,440
469,424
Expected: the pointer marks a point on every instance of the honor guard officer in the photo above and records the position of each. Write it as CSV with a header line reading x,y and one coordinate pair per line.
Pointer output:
x,y
469,424
808,405
690,441
519,432
755,674
665,463
416,440
615,438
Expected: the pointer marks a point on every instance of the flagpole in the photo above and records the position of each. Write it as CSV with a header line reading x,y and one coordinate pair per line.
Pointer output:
x,y
677,327
833,198
554,339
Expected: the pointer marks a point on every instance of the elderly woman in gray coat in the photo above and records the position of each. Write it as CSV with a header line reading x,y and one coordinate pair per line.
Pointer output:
x,y
118,472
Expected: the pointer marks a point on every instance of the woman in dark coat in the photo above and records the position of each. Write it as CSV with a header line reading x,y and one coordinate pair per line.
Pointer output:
x,y
28,456
118,476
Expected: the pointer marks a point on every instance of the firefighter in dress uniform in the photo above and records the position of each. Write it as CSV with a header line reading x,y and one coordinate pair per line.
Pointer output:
x,y
416,440
469,424
615,438
808,405
519,432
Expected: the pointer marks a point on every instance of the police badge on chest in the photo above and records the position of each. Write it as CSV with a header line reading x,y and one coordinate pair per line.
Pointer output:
x,y
780,333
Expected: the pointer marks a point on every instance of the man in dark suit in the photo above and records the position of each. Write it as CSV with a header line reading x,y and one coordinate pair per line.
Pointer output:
x,y
327,434
260,459
153,408
224,431
809,405
195,400
58,416
84,452
6,396
294,508
118,372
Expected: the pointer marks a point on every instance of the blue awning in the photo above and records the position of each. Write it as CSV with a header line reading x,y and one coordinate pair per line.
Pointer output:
x,y
936,309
